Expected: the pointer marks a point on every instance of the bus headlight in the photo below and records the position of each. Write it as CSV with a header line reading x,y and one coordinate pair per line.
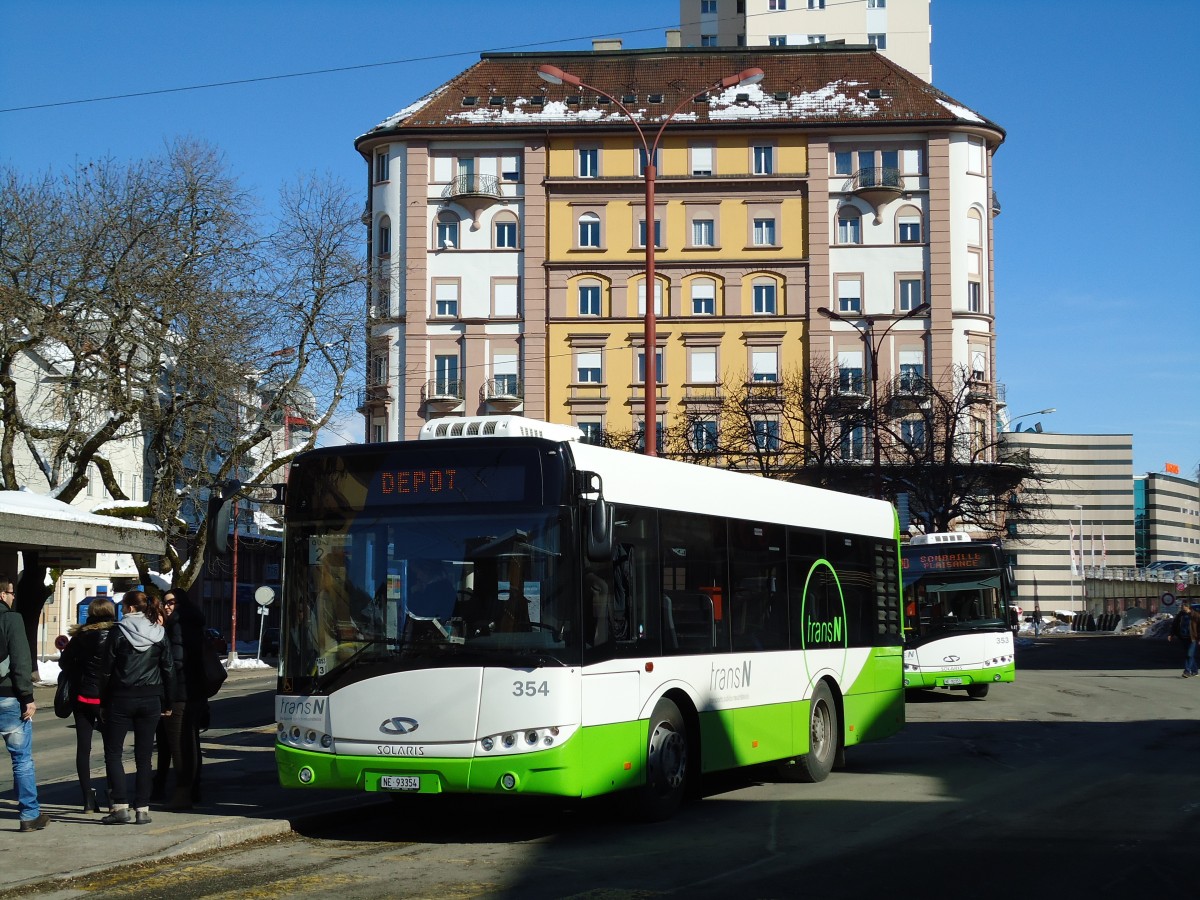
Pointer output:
x,y
487,743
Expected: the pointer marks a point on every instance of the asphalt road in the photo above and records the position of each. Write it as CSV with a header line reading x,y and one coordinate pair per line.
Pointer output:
x,y
1072,782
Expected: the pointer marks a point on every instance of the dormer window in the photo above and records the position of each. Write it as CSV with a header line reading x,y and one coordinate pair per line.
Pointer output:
x,y
469,101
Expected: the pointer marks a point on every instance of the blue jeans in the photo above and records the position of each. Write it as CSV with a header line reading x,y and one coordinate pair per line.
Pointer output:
x,y
1189,665
18,738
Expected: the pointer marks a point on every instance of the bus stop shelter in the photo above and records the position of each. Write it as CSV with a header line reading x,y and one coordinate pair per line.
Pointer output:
x,y
65,536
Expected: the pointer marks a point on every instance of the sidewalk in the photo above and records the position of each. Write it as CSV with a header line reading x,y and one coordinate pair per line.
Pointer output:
x,y
242,802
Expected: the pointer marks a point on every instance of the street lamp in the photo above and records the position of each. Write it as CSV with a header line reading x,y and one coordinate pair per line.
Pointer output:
x,y
1013,420
867,333
555,75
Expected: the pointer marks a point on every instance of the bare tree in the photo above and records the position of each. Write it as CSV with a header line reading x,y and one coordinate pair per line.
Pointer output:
x,y
147,311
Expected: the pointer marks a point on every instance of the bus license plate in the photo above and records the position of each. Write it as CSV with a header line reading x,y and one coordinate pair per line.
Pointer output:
x,y
400,782
952,680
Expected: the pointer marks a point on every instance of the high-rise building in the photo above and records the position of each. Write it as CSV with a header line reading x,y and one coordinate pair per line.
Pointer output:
x,y
899,29
508,227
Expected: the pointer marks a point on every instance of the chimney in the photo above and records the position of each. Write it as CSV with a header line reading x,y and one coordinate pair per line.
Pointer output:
x,y
673,38
599,44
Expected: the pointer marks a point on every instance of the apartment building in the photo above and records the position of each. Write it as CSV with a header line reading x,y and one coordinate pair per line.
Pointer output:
x,y
899,29
507,220
1168,518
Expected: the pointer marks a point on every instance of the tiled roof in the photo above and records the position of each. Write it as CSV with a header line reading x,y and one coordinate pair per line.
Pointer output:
x,y
819,87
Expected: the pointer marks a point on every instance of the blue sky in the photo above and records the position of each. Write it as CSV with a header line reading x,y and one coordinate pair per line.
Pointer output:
x,y
1095,315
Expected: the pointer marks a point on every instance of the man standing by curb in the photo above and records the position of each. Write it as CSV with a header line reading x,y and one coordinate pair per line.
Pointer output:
x,y
17,708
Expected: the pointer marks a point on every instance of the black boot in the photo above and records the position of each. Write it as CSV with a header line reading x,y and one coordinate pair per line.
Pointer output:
x,y
91,803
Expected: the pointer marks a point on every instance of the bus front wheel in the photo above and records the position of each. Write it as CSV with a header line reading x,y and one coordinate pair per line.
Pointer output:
x,y
666,764
823,730
978,691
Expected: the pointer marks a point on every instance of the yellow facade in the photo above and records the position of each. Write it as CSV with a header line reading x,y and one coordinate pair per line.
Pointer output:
x,y
757,288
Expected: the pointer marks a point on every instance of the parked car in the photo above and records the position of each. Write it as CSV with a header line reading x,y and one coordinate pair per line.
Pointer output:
x,y
216,642
1163,566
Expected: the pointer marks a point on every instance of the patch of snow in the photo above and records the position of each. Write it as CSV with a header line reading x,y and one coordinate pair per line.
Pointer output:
x,y
960,111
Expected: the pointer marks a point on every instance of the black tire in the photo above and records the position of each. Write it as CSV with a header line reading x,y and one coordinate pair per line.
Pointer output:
x,y
824,741
978,691
667,764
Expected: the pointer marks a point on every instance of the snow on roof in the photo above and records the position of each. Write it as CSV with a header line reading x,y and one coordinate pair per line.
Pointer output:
x,y
960,111
27,503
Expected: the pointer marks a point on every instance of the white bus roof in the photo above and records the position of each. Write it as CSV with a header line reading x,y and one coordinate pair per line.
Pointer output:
x,y
651,481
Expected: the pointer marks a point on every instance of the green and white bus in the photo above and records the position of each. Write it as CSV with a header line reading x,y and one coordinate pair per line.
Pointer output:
x,y
958,629
502,608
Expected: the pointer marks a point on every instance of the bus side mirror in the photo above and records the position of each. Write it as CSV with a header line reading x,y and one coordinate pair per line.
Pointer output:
x,y
220,511
600,531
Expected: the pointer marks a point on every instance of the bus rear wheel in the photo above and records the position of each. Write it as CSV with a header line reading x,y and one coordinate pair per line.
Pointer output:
x,y
978,691
823,731
666,764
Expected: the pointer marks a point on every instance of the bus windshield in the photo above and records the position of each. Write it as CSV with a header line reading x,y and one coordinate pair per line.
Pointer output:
x,y
937,604
382,591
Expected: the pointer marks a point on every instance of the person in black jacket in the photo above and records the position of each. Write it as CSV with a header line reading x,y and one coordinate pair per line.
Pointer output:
x,y
178,736
138,688
81,661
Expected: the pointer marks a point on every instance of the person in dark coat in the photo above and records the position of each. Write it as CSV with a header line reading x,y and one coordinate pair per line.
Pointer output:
x,y
81,661
179,734
138,688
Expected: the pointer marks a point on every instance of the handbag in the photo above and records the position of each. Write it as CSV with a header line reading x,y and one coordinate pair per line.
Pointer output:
x,y
214,673
64,698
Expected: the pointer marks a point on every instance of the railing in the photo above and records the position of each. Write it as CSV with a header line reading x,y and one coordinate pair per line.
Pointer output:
x,y
502,387
876,177
442,389
478,185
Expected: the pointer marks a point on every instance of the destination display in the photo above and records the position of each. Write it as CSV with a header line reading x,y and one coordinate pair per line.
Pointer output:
x,y
944,560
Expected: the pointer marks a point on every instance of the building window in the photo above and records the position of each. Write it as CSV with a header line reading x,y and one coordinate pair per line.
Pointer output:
x,y
708,7
589,230
776,4
702,159
593,431
642,159
843,163
910,294
384,247
382,165
510,168
702,366
587,368
704,436
589,299
703,233
657,233
764,159
766,435
446,375
764,298
504,299
657,298
504,374
912,370
879,41
447,231
764,365
658,367
764,232
876,4
589,162
974,296
816,38
708,40
853,444
377,434
849,295
979,365
849,225
777,40
445,301
640,439
910,229
506,235
704,297
816,4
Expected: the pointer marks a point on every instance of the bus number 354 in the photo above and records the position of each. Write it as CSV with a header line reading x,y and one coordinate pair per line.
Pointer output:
x,y
530,688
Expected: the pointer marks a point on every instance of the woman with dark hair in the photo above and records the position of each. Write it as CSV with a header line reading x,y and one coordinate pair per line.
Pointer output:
x,y
178,736
82,661
139,687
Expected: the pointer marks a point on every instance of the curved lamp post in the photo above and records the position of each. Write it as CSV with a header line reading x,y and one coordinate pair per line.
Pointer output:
x,y
867,333
1037,412
555,75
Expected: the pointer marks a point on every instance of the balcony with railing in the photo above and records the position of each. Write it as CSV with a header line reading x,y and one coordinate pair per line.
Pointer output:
x,y
877,185
475,193
504,392
850,389
442,394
